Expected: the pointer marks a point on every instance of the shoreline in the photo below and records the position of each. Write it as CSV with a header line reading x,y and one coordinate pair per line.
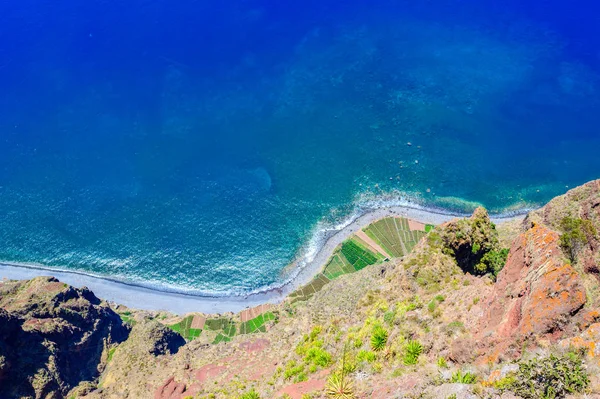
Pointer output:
x,y
137,296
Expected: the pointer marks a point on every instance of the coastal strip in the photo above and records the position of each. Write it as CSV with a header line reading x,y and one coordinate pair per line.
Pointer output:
x,y
137,296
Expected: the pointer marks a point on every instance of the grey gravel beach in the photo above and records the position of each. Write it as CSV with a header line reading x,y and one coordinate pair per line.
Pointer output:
x,y
140,297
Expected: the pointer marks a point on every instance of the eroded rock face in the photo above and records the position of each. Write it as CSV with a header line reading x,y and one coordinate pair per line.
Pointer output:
x,y
536,294
52,337
579,203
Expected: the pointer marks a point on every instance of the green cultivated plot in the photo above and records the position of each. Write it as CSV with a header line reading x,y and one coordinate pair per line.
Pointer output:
x,y
393,234
257,324
184,328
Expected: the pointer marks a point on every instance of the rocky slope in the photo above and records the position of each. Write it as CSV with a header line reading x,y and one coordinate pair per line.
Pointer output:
x,y
458,317
52,337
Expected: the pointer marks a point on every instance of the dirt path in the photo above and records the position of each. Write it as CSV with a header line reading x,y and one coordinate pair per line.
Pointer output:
x,y
363,236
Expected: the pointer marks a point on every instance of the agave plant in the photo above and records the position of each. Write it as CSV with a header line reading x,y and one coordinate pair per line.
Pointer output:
x,y
338,386
412,352
379,338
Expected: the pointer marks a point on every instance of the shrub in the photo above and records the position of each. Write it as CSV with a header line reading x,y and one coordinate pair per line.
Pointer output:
x,y
292,369
576,233
317,356
250,395
367,356
431,306
463,378
379,338
549,378
412,352
442,363
389,317
492,262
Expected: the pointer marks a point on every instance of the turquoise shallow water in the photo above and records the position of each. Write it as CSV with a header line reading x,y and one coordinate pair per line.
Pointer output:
x,y
202,147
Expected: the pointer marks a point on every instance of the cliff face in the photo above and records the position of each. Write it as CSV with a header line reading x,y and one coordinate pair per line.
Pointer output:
x,y
536,295
52,337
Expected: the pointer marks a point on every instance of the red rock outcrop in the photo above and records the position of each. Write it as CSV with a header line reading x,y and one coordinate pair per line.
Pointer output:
x,y
582,202
535,296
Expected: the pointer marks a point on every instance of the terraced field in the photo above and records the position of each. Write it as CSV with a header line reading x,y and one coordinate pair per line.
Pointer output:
x,y
390,237
393,236
184,327
223,328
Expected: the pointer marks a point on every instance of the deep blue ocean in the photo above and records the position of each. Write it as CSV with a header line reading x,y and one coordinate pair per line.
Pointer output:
x,y
202,145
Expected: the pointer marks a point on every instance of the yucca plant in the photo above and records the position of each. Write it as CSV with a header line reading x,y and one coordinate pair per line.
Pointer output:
x,y
379,338
338,386
412,352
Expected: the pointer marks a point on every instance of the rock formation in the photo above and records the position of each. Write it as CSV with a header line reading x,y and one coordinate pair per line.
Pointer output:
x,y
52,337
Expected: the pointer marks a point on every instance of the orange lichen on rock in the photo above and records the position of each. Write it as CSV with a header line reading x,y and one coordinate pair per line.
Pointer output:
x,y
588,340
535,295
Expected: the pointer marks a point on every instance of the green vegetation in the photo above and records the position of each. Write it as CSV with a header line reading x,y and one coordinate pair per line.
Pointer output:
x,y
468,241
394,235
257,324
310,289
442,363
338,386
454,327
379,338
356,255
576,234
111,353
366,356
127,318
412,352
250,395
492,262
552,377
431,306
294,370
313,355
463,378
184,327
311,349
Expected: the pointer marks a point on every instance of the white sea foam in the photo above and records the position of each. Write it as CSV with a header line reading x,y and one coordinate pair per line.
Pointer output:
x,y
324,237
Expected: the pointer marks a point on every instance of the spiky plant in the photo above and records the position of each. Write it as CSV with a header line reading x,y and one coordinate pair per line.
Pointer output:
x,y
463,378
250,395
412,352
379,338
338,386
